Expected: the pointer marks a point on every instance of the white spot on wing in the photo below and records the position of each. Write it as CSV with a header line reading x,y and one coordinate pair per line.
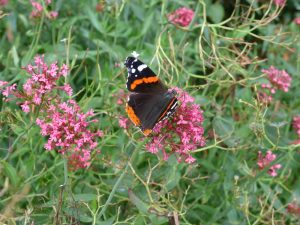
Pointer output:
x,y
135,54
133,70
175,105
141,67
135,75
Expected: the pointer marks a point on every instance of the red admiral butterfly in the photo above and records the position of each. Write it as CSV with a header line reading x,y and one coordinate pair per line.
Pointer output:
x,y
150,101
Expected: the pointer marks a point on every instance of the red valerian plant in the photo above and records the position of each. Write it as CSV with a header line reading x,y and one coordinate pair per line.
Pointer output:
x,y
182,17
293,208
182,133
38,9
297,20
68,132
264,162
279,3
64,123
3,2
296,126
278,80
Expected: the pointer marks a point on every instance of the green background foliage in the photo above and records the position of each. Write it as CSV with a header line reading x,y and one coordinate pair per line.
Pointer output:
x,y
218,59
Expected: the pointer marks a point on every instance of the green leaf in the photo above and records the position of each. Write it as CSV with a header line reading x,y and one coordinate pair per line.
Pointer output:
x,y
239,32
223,127
216,12
108,221
11,173
85,197
142,206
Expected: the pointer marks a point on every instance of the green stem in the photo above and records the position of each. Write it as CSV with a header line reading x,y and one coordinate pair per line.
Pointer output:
x,y
65,171
112,193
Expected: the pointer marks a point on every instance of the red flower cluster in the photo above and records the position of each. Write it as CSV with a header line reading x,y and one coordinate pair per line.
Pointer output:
x,y
296,126
68,132
3,2
37,10
182,17
279,3
264,162
293,208
181,134
66,127
297,21
278,80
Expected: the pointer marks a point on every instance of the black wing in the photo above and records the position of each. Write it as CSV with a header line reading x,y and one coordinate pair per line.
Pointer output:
x,y
141,78
150,109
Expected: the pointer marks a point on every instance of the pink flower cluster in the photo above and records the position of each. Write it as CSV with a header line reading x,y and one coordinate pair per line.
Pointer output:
x,y
297,21
68,132
63,122
38,9
180,134
293,208
278,80
182,17
41,83
264,162
279,3
121,97
3,2
296,126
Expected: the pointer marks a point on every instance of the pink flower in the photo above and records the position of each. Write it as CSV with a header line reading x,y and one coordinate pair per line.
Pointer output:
x,y
123,122
121,97
297,21
9,90
296,125
53,14
38,9
279,2
25,107
3,2
182,17
293,208
3,83
264,162
279,79
182,133
68,89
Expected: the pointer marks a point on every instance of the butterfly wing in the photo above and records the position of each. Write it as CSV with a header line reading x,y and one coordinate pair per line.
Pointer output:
x,y
145,110
141,79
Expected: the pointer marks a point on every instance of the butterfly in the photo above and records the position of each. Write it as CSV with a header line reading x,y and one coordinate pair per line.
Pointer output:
x,y
150,101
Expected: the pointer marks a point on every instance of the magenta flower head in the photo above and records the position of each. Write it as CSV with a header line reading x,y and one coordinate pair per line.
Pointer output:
x,y
182,133
264,162
296,126
297,20
38,9
62,121
279,3
3,2
280,79
68,132
182,17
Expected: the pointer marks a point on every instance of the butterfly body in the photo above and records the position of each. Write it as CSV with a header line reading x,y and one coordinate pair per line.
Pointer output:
x,y
150,101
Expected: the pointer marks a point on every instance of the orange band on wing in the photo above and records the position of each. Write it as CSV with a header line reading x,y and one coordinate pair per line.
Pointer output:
x,y
143,80
133,116
147,132
167,109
